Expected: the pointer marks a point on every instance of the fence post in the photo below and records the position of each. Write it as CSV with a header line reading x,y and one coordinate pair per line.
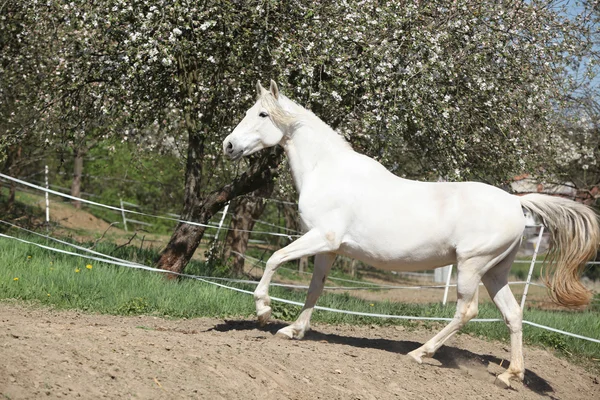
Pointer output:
x,y
47,199
123,214
447,284
535,252
221,221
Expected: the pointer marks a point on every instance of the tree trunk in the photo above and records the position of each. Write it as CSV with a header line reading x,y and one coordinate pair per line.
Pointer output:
x,y
11,168
77,174
11,195
186,238
245,212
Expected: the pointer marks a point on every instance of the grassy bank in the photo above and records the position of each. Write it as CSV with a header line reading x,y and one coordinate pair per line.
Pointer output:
x,y
64,281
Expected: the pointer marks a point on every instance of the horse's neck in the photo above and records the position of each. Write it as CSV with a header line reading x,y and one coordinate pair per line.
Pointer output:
x,y
307,149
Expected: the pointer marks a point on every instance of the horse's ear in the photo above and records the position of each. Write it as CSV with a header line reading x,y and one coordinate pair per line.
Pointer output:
x,y
259,89
274,89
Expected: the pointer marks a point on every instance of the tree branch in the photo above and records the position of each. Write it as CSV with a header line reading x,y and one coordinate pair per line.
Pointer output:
x,y
260,170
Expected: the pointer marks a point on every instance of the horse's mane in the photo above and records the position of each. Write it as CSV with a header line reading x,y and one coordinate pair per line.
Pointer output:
x,y
285,120
289,116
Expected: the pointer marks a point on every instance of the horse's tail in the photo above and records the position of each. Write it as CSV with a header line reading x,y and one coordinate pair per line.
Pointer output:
x,y
575,238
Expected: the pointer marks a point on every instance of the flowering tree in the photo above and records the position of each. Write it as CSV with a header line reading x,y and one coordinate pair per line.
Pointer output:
x,y
576,150
461,90
574,145
48,101
20,76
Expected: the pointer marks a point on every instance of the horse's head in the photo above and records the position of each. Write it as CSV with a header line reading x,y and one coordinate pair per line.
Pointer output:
x,y
260,128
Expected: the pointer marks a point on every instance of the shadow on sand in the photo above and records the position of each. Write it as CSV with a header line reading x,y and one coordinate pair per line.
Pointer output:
x,y
448,356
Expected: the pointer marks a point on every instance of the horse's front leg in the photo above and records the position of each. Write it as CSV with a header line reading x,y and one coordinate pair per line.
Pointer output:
x,y
323,263
312,242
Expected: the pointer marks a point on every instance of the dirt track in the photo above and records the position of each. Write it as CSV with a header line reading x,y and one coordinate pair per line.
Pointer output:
x,y
63,354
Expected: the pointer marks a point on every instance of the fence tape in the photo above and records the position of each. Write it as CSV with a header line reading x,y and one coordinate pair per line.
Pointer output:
x,y
549,328
94,203
286,301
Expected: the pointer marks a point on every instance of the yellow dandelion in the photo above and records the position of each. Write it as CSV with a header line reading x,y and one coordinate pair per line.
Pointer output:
x,y
48,294
372,305
77,270
15,279
29,257
89,266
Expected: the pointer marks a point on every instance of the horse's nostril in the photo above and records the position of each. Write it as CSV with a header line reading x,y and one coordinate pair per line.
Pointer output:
x,y
229,146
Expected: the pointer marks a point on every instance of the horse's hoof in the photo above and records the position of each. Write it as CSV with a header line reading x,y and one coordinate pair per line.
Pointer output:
x,y
415,356
285,333
502,381
289,333
264,316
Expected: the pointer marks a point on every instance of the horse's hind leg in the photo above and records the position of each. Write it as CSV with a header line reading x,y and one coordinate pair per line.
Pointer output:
x,y
466,306
496,283
297,330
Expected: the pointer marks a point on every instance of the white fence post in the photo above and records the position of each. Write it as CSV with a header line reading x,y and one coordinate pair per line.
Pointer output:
x,y
123,215
221,221
449,269
535,252
47,199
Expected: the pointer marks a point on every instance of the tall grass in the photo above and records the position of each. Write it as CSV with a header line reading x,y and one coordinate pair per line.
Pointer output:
x,y
30,273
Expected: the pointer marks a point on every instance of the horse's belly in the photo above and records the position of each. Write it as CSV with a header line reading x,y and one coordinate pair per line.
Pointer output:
x,y
425,257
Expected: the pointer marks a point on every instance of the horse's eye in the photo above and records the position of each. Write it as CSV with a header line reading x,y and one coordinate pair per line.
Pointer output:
x,y
263,115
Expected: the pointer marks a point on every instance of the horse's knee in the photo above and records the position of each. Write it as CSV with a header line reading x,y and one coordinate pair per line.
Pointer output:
x,y
468,313
472,310
272,263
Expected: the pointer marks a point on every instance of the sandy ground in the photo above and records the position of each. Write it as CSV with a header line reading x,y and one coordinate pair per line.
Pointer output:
x,y
51,354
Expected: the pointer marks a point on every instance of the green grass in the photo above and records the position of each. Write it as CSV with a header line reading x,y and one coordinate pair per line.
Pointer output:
x,y
62,281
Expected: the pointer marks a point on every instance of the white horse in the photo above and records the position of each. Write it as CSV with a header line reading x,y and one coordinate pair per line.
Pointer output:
x,y
351,205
